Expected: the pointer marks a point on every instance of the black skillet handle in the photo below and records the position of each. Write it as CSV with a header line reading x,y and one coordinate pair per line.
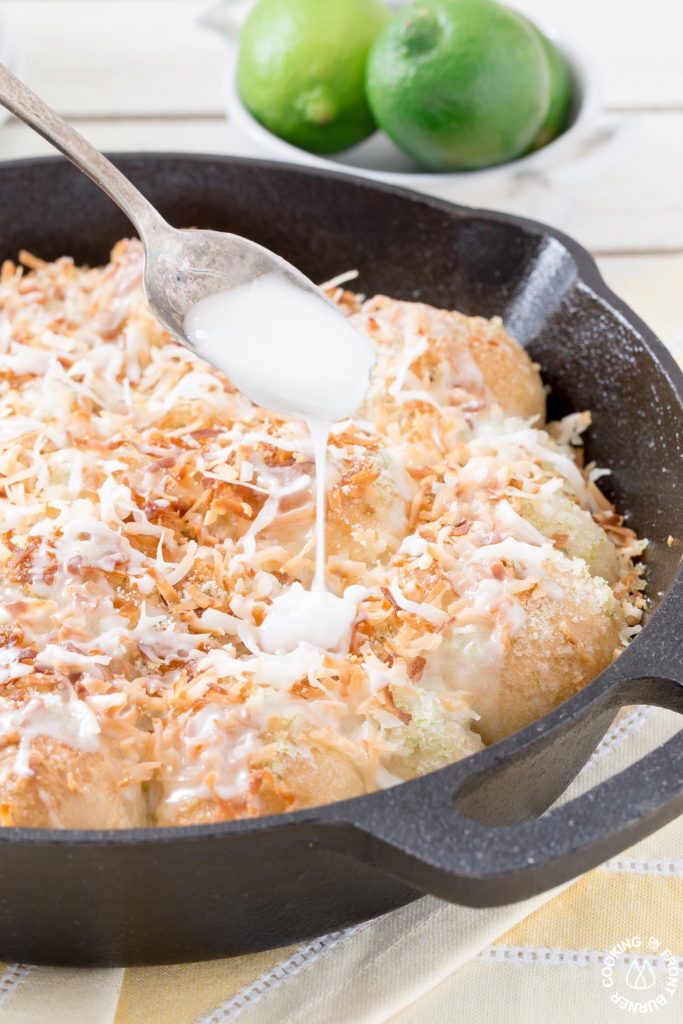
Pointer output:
x,y
425,833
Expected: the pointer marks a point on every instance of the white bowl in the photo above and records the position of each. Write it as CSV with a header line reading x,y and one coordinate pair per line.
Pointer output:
x,y
378,158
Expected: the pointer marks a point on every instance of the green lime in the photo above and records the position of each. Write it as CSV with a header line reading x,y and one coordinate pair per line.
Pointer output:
x,y
301,69
459,84
560,91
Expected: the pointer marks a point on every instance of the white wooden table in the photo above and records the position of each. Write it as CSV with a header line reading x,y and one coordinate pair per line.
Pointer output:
x,y
142,75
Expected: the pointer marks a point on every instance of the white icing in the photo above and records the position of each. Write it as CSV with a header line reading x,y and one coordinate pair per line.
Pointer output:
x,y
316,617
63,717
293,352
284,347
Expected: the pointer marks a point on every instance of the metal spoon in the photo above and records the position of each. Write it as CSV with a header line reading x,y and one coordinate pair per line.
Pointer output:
x,y
181,266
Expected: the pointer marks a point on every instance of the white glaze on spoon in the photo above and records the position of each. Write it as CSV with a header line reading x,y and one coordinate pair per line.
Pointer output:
x,y
291,351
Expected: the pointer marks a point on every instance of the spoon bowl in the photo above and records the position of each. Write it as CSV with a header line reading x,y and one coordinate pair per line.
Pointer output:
x,y
183,266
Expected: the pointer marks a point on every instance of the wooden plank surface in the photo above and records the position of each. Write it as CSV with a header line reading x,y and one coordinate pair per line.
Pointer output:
x,y
635,45
651,285
112,58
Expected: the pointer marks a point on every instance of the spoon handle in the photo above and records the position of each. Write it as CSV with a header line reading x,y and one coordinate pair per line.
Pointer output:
x,y
29,107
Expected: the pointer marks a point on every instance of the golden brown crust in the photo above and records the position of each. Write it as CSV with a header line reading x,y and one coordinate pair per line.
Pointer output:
x,y
67,788
286,782
510,375
366,517
308,779
563,644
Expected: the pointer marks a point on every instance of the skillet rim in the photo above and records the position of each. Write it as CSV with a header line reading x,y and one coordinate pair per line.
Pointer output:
x,y
588,275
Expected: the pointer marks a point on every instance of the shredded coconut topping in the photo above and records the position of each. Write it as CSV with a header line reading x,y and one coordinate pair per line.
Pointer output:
x,y
151,517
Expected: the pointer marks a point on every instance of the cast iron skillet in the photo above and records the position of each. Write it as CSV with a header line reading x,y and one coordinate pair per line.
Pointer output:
x,y
470,832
